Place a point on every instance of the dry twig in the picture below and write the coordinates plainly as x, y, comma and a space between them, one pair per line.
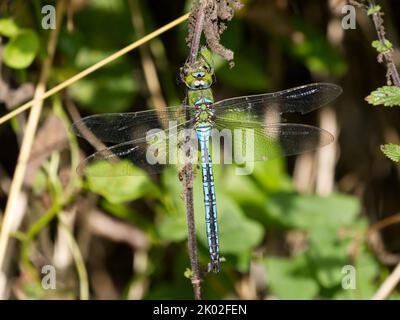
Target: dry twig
212, 16
392, 75
29, 136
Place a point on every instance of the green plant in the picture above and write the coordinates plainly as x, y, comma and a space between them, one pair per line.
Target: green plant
389, 95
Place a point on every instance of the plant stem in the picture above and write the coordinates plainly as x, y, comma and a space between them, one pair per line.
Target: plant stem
79, 262
44, 220
29, 135
388, 55
390, 283
194, 260
188, 170
194, 48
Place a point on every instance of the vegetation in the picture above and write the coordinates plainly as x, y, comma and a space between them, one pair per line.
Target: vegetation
290, 230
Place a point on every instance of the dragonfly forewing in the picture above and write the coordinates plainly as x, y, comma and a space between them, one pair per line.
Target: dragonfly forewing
303, 99
124, 127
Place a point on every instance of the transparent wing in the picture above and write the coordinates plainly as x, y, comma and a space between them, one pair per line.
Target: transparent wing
124, 127
143, 156
250, 142
264, 107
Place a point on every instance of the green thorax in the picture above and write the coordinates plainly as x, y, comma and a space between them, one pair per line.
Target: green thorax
203, 96
199, 79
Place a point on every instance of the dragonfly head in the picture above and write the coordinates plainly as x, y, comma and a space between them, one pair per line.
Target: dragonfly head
200, 75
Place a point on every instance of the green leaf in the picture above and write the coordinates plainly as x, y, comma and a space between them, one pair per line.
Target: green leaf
382, 47
328, 254
20, 51
290, 278
310, 212
248, 192
392, 151
237, 233
8, 27
389, 96
105, 93
243, 262
118, 189
120, 210
188, 273
172, 223
173, 227
366, 271
207, 54
373, 10
272, 175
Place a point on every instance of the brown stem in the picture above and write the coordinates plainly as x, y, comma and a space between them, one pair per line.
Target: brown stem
26, 146
194, 261
393, 74
194, 48
188, 170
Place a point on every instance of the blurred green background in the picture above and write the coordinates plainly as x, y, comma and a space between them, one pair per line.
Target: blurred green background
286, 231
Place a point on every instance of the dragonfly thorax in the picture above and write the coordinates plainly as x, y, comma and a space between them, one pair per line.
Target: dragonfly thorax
204, 112
202, 103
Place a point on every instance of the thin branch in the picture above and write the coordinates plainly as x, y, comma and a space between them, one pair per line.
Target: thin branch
188, 170
393, 77
93, 68
194, 260
388, 55
29, 136
198, 29
209, 17
117, 231
390, 283
86, 133
392, 74
79, 262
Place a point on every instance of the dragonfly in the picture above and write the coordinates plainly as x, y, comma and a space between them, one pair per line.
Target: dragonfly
133, 134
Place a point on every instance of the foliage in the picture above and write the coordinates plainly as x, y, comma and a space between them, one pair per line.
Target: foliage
22, 47
314, 51
374, 9
389, 96
259, 214
392, 151
382, 47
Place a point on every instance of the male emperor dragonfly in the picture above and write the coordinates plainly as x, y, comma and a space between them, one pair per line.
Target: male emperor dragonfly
132, 134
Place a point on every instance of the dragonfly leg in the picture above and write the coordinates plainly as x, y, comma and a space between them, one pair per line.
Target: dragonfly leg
214, 265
